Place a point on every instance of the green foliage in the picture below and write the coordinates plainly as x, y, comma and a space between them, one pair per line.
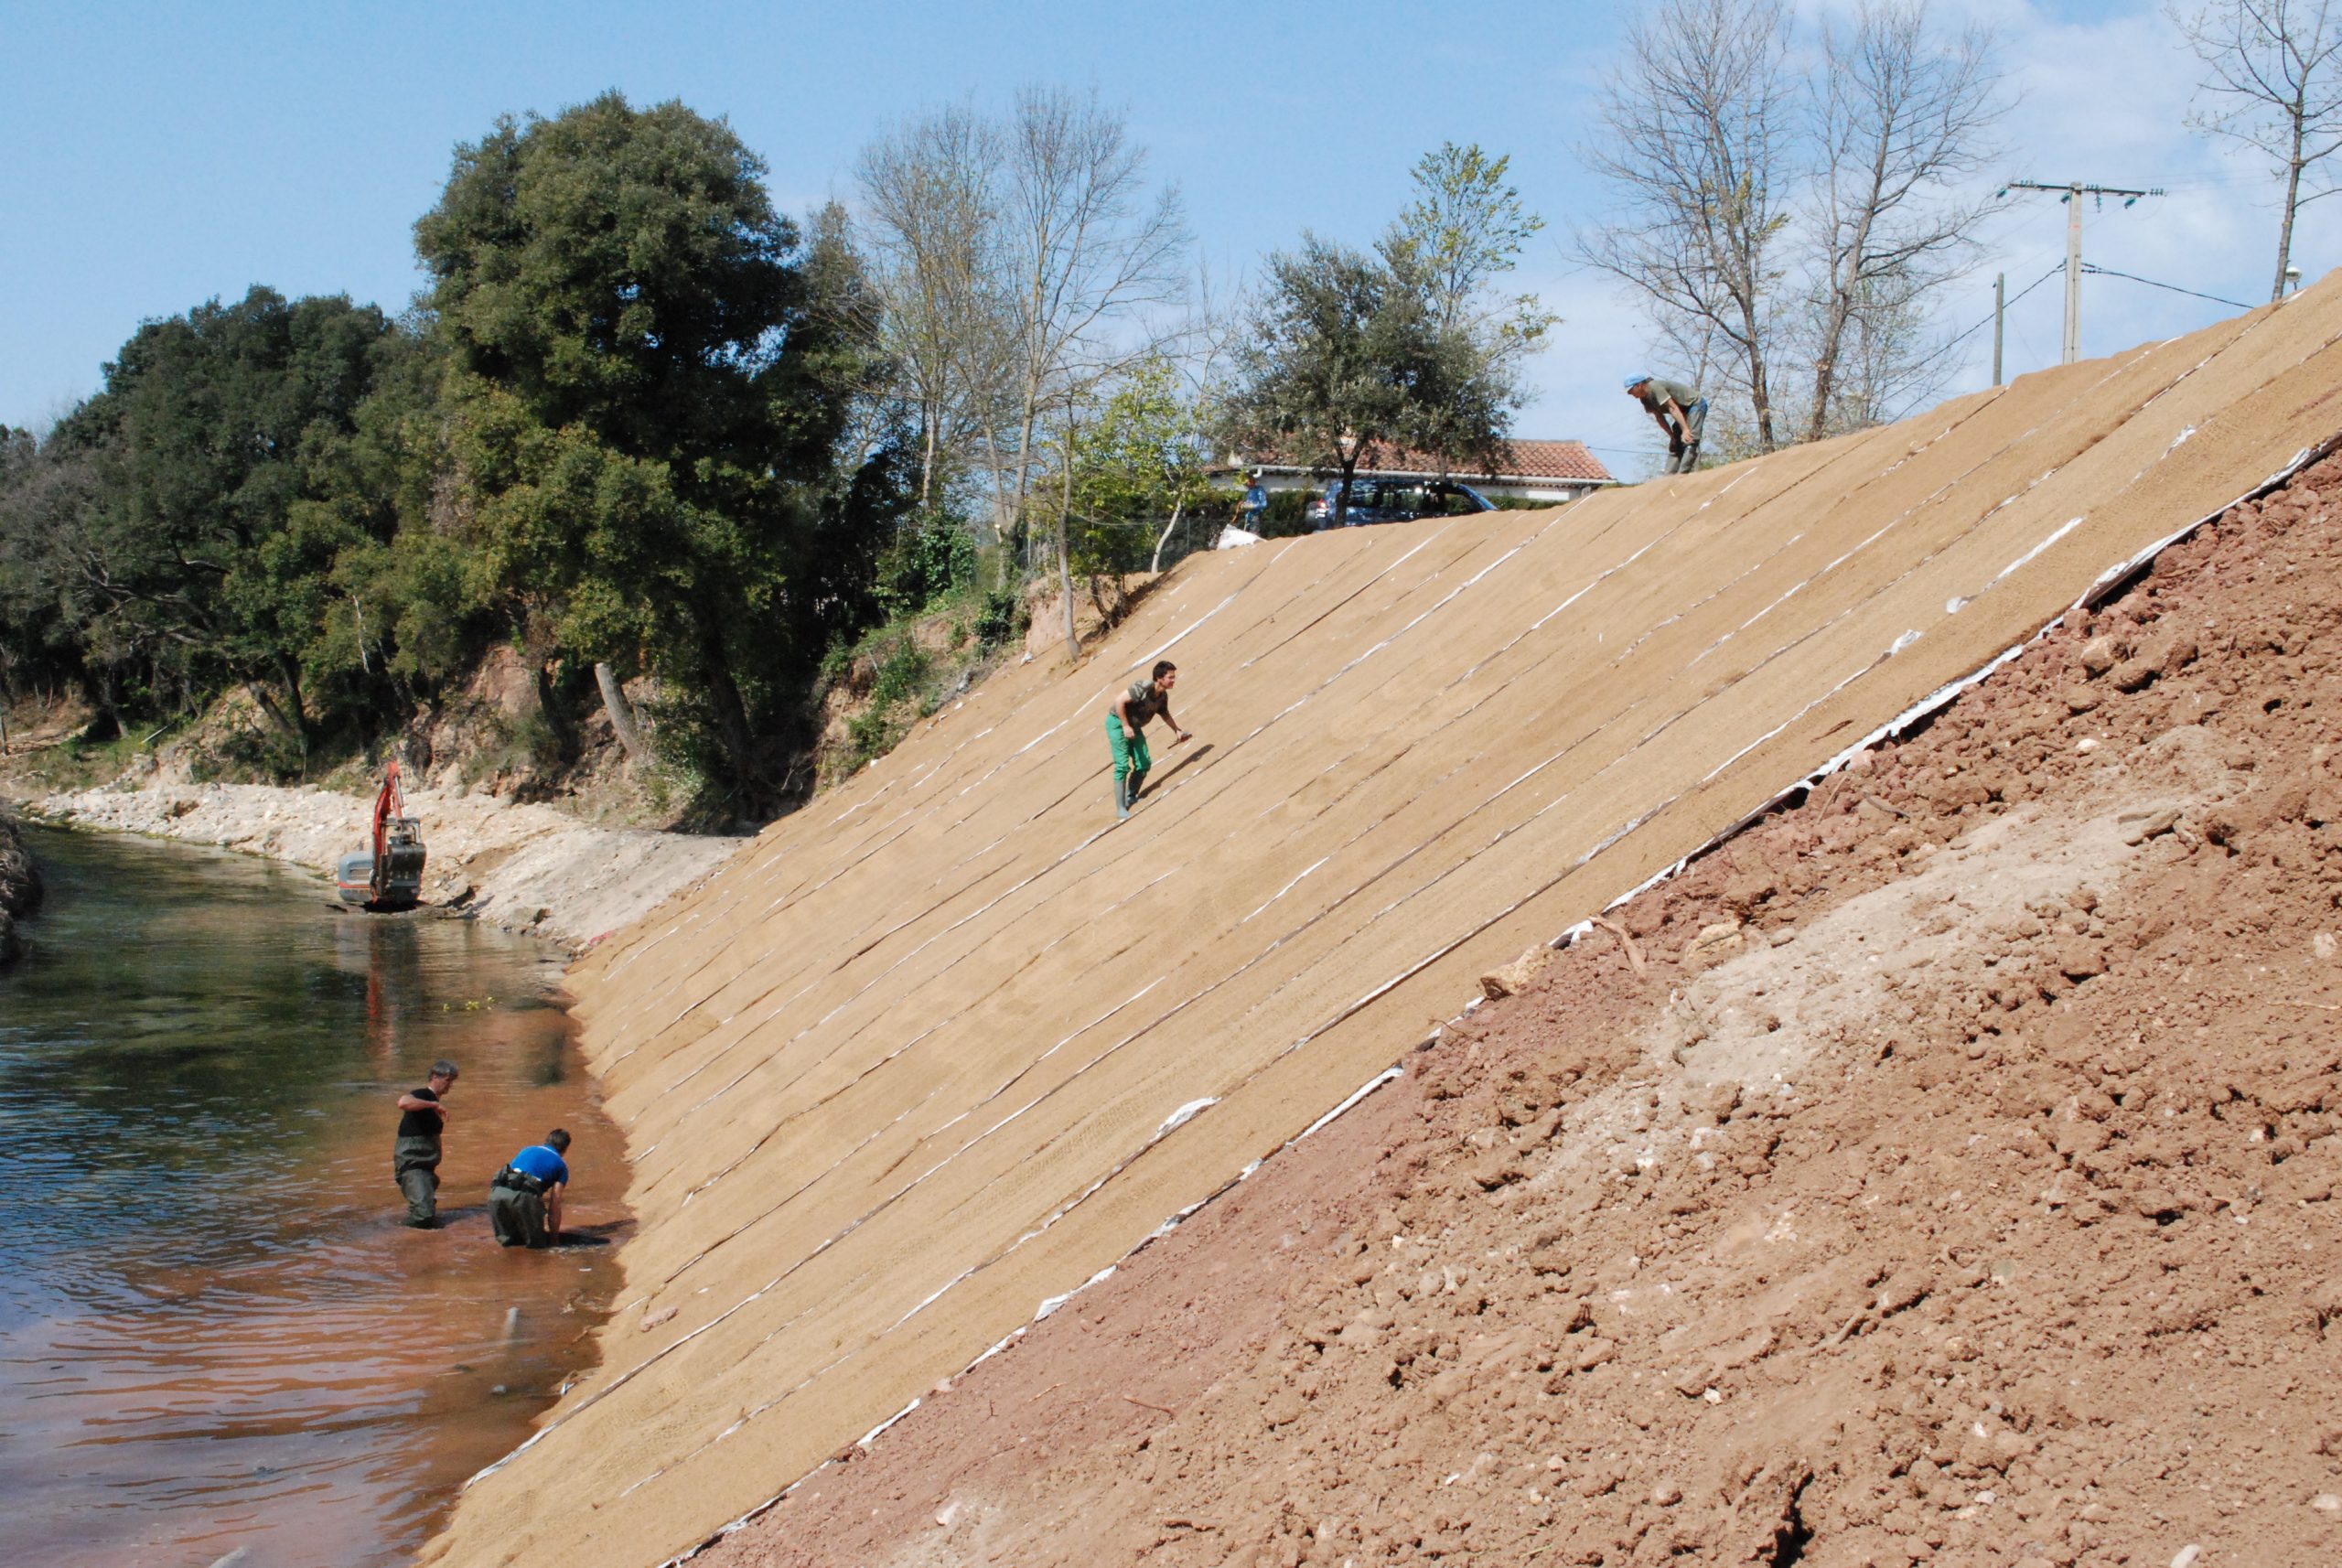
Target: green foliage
1342, 354
1140, 461
1411, 347
902, 667
651, 379
932, 557
201, 543
1466, 228
1003, 617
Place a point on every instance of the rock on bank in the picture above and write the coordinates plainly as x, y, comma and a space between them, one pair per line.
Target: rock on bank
524, 867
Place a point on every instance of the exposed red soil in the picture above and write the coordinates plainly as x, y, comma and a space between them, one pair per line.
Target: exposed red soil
1948, 1176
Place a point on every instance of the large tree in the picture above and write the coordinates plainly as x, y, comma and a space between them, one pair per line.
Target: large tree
652, 402
1451, 248
197, 551
1344, 354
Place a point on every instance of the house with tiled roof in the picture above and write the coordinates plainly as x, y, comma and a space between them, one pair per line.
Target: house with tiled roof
1545, 471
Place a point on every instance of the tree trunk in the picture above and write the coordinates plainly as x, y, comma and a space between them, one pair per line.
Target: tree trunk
621, 712
2292, 200
731, 716
1164, 538
1065, 551
564, 734
290, 674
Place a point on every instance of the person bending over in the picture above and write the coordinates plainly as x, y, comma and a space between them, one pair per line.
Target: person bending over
1126, 732
524, 1200
1680, 411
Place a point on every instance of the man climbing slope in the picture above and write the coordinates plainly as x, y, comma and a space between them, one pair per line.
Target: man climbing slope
1125, 722
414, 1157
1678, 410
524, 1200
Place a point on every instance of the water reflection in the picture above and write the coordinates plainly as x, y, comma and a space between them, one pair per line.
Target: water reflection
214, 1333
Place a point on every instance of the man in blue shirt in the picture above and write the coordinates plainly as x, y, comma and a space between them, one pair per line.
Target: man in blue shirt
524, 1201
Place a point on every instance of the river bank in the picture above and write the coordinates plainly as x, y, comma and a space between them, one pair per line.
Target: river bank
20, 884
522, 867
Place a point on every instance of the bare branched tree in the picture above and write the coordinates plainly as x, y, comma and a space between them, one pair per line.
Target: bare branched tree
1087, 247
2274, 82
1785, 229
1899, 122
930, 200
1700, 136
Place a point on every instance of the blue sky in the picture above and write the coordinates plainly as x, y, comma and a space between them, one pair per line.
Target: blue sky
157, 156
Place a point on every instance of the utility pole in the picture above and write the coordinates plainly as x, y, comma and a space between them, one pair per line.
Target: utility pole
2000, 308
2071, 194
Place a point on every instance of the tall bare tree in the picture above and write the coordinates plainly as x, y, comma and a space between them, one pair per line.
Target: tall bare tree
1698, 133
930, 209
2274, 82
1900, 120
1087, 247
1785, 228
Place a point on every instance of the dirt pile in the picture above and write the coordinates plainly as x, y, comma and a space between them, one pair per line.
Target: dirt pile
1944, 1171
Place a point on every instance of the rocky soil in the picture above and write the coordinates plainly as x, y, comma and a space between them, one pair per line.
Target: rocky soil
1944, 1171
526, 867
20, 886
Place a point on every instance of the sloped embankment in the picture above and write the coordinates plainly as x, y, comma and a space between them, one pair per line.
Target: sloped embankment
1947, 1175
920, 1060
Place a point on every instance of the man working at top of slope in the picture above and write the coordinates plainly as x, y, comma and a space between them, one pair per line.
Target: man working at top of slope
1678, 410
1126, 721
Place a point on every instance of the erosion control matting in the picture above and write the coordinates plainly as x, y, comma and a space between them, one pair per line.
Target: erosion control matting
949, 1041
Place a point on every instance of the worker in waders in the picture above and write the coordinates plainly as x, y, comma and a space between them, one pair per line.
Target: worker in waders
1125, 726
414, 1158
1680, 411
524, 1200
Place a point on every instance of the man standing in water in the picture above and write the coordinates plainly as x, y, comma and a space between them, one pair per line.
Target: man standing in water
1126, 720
524, 1201
414, 1158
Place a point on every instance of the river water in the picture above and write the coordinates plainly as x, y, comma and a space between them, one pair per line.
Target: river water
215, 1335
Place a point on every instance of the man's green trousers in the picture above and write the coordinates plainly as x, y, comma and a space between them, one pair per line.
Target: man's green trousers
1130, 762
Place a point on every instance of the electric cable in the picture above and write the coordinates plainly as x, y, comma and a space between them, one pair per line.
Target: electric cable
2110, 272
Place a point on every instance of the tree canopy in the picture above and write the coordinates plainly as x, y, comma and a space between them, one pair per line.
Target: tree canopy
648, 392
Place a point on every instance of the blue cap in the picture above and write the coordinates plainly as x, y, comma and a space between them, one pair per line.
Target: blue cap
1633, 382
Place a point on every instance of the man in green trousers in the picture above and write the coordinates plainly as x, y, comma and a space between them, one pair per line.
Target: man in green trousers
414, 1158
1125, 727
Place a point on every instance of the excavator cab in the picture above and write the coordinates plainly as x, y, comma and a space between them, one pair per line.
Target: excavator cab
387, 875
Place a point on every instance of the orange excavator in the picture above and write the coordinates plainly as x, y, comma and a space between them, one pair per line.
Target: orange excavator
387, 875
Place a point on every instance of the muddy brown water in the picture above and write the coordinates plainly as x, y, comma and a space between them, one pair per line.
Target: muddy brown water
215, 1335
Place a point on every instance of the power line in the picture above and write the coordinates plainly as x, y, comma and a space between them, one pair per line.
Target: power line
2110, 272
2020, 294
2071, 194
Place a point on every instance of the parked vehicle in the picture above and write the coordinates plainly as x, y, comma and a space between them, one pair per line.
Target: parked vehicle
1390, 500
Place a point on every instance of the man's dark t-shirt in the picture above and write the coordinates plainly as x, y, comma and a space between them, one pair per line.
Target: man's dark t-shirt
420, 1123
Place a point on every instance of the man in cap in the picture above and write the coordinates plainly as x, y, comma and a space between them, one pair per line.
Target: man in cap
1680, 411
524, 1200
414, 1157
